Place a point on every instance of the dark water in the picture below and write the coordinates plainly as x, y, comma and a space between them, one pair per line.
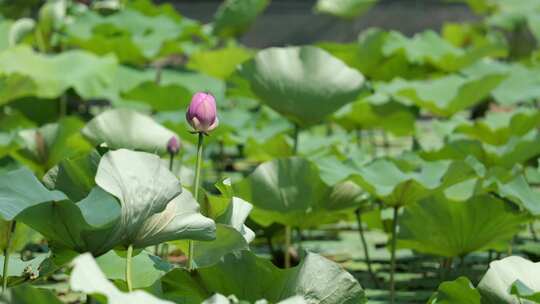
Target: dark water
293, 22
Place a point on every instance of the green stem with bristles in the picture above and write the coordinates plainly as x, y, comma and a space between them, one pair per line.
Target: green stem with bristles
196, 184
9, 239
128, 267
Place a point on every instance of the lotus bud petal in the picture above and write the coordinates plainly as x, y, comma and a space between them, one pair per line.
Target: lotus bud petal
173, 145
202, 113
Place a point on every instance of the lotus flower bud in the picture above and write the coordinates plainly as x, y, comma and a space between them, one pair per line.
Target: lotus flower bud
202, 113
173, 146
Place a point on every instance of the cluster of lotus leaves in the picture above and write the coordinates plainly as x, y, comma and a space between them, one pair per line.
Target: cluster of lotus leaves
123, 198
288, 189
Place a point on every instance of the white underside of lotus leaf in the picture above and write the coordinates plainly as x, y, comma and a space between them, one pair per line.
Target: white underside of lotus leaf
154, 208
496, 283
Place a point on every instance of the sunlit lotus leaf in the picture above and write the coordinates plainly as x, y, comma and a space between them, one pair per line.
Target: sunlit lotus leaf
74, 175
516, 150
124, 128
147, 268
234, 17
21, 190
458, 228
347, 9
28, 294
44, 147
49, 76
154, 207
86, 277
461, 290
402, 182
219, 63
172, 97
521, 85
519, 191
393, 117
445, 95
286, 190
251, 278
498, 127
134, 37
305, 84
84, 226
496, 284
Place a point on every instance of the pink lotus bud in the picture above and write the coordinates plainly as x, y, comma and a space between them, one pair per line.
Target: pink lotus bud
202, 113
173, 145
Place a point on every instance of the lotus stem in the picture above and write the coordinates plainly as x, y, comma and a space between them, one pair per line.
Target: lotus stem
533, 232
287, 254
128, 268
365, 246
393, 256
386, 143
295, 139
9, 240
359, 138
196, 183
287, 246
63, 105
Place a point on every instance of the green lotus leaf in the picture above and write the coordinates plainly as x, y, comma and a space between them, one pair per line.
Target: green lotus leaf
347, 9
519, 191
232, 299
235, 216
234, 17
219, 63
131, 35
458, 228
44, 147
384, 55
22, 236
48, 76
443, 96
289, 189
461, 290
128, 79
18, 30
154, 207
498, 127
305, 84
171, 97
86, 277
251, 278
496, 285
428, 48
147, 269
521, 85
403, 182
205, 254
85, 226
74, 175
28, 294
21, 190
393, 117
124, 128
522, 291
516, 151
